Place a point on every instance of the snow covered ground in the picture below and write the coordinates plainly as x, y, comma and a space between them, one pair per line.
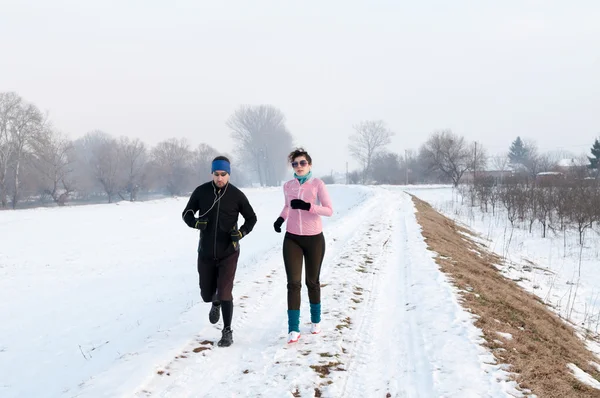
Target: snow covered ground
102, 300
555, 268
548, 267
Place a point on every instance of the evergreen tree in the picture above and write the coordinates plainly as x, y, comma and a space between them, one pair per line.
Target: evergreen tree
518, 152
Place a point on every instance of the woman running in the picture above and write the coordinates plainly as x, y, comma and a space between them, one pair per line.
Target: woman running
306, 200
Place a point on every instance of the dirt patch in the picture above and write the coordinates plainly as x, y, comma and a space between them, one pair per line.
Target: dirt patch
324, 370
205, 345
326, 355
541, 345
346, 322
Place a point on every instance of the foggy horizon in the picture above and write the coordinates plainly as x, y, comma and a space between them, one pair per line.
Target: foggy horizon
144, 70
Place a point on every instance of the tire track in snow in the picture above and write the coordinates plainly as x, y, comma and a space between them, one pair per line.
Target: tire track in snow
419, 368
421, 342
387, 356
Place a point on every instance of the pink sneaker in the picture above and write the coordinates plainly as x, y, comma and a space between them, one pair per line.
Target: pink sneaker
315, 328
293, 337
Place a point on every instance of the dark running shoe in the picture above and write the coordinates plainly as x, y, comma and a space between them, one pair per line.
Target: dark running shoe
215, 312
226, 338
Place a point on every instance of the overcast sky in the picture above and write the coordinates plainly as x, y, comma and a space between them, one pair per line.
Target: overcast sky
488, 70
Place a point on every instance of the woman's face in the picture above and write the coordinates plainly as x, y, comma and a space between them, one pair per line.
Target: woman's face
301, 166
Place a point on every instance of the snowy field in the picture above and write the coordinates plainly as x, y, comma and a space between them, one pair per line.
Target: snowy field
102, 301
557, 269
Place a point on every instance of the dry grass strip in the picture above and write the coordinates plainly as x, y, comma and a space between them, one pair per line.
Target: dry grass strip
542, 344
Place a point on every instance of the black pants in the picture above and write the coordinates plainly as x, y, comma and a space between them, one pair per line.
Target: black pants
311, 249
216, 276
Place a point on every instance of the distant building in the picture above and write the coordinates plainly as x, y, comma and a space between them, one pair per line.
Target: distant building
549, 176
573, 168
497, 175
571, 162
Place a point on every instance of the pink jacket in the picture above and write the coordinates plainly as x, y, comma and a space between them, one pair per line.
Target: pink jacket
302, 222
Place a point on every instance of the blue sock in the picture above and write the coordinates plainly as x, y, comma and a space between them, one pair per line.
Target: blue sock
294, 321
315, 313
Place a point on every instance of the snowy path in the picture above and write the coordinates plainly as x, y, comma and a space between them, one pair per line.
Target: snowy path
128, 322
381, 333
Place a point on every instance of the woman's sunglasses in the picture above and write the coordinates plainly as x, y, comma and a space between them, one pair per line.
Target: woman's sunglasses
302, 163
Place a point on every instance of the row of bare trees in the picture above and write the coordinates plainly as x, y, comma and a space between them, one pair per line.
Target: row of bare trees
555, 205
444, 157
122, 168
98, 166
448, 158
40, 164
36, 161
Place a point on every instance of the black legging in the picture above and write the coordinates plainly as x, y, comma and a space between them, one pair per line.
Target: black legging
312, 250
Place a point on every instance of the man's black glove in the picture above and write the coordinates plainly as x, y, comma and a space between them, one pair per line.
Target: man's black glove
277, 224
200, 223
236, 235
300, 204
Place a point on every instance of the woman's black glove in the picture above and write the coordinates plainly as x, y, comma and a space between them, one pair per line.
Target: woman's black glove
277, 224
300, 204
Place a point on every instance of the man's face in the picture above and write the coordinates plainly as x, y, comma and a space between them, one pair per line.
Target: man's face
220, 178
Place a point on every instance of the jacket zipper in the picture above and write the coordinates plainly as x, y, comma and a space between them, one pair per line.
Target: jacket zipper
300, 210
217, 226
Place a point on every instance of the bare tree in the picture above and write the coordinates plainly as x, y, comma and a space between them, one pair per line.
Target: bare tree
545, 162
134, 156
544, 211
581, 208
370, 137
484, 189
386, 168
354, 177
53, 158
19, 122
9, 107
171, 164
499, 162
27, 123
202, 158
531, 206
263, 140
555, 156
479, 158
561, 201
419, 169
579, 168
448, 153
533, 163
509, 196
100, 155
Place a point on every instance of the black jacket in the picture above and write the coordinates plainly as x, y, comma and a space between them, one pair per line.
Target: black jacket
221, 208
